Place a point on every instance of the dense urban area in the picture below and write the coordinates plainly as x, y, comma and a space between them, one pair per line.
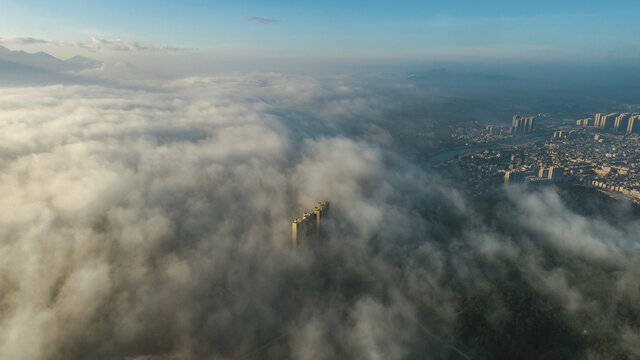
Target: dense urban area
600, 151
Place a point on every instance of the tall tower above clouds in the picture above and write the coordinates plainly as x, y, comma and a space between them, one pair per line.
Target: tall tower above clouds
309, 228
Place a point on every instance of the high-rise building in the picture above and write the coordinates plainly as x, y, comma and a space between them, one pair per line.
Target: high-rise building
621, 123
513, 177
551, 173
542, 173
607, 121
633, 124
307, 228
596, 121
294, 232
522, 124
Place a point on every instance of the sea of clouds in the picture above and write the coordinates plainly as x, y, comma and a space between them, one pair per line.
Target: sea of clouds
154, 223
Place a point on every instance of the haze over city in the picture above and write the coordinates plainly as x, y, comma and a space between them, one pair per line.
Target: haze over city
319, 180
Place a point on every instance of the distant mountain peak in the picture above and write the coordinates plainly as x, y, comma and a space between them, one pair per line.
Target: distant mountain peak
46, 61
83, 63
44, 54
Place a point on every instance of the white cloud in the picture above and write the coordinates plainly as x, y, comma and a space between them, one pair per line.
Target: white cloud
95, 44
154, 224
22, 40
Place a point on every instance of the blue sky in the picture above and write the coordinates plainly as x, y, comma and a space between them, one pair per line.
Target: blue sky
454, 29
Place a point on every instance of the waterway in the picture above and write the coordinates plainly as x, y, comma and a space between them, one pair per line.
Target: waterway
449, 154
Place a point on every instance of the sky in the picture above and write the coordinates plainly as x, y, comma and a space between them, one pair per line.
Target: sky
400, 30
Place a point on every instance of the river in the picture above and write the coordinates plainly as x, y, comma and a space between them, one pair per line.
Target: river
449, 154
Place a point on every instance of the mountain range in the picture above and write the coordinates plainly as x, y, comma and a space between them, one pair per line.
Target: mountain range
22, 68
44, 61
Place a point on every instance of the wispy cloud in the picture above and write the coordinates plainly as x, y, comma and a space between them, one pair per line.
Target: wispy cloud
94, 44
127, 45
22, 40
262, 20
